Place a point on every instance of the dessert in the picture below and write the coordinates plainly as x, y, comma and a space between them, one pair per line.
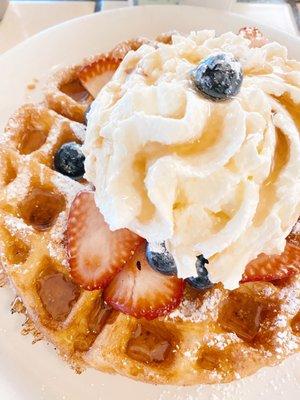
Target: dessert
175, 257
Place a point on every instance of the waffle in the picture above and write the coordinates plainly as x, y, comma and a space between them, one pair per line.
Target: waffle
214, 336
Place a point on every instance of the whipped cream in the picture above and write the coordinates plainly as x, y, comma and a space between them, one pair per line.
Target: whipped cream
220, 179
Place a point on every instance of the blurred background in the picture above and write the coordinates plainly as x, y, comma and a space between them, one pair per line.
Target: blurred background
19, 19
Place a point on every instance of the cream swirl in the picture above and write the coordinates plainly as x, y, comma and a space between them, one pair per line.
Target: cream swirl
218, 179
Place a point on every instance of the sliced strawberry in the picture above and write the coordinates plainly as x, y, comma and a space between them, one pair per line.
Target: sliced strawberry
96, 254
95, 75
255, 36
140, 291
271, 268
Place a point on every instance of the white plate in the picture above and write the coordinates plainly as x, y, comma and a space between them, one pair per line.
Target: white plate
35, 372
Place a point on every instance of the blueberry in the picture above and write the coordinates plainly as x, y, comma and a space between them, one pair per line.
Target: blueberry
218, 77
202, 281
69, 160
86, 113
160, 259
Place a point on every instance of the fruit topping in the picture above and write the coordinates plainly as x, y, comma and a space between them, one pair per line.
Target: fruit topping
95, 75
202, 281
96, 253
257, 39
218, 77
271, 268
140, 291
160, 259
69, 160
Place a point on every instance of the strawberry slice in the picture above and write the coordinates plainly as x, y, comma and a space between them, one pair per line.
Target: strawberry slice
255, 36
96, 254
140, 291
271, 268
95, 75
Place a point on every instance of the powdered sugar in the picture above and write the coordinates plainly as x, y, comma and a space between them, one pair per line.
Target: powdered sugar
198, 309
221, 341
79, 130
67, 186
20, 186
286, 343
17, 226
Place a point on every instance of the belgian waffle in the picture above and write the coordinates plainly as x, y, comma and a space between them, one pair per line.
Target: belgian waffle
214, 336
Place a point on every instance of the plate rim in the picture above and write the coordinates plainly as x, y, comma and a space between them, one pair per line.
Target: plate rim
131, 9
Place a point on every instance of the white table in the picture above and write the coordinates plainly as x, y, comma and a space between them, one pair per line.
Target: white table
25, 18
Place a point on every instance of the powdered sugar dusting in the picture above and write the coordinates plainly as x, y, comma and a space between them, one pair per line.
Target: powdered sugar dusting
221, 341
79, 130
58, 253
199, 309
17, 226
58, 230
291, 298
20, 186
285, 343
67, 186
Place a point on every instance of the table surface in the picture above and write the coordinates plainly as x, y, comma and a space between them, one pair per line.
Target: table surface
24, 18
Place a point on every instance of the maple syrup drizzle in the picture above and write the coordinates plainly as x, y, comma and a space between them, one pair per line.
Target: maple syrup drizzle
295, 324
8, 170
147, 346
41, 208
57, 293
76, 91
242, 315
28, 327
17, 306
31, 140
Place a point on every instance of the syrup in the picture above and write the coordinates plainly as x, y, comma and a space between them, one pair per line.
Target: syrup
96, 321
242, 315
8, 170
98, 317
31, 140
210, 358
296, 324
76, 91
41, 208
15, 249
17, 306
57, 293
147, 346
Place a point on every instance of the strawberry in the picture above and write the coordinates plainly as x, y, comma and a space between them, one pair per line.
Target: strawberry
96, 74
96, 254
257, 39
140, 291
271, 268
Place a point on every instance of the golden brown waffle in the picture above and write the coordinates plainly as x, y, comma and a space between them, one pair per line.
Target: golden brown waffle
214, 336
37, 132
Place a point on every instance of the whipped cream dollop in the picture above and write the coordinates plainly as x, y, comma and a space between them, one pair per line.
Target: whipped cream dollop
220, 179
